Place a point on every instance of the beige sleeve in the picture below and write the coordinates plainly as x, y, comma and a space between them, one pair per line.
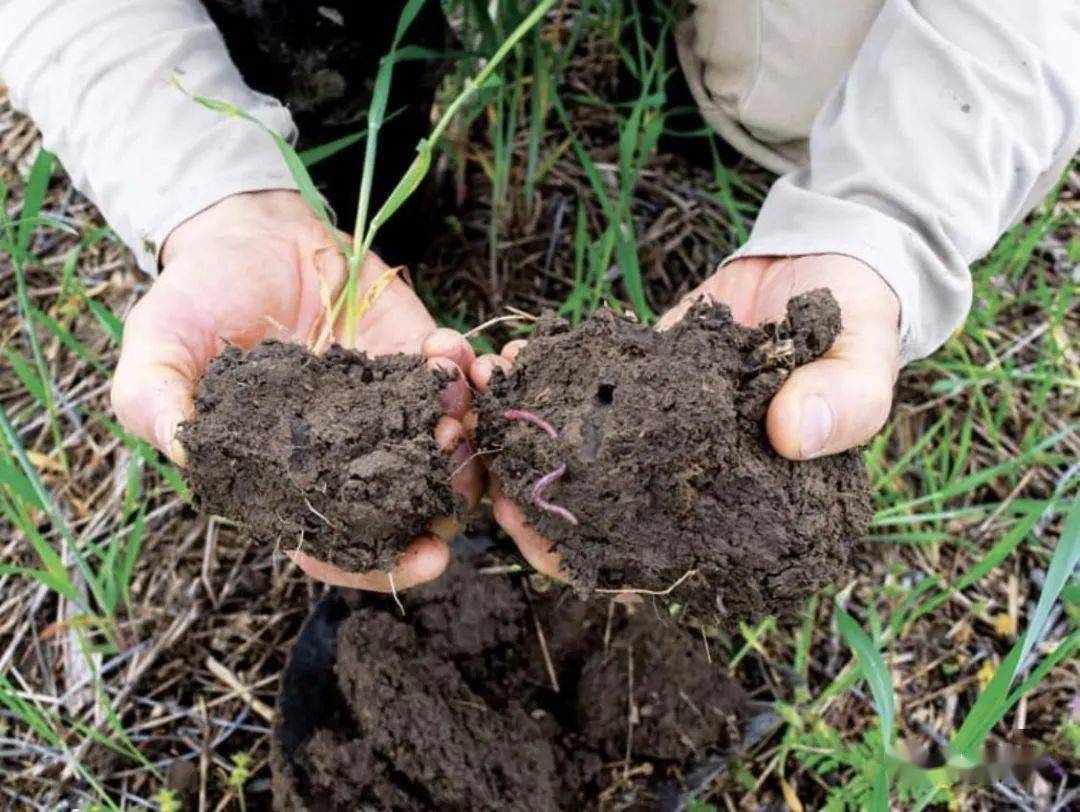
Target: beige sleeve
94, 76
948, 123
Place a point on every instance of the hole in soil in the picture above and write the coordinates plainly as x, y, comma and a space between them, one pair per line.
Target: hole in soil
605, 393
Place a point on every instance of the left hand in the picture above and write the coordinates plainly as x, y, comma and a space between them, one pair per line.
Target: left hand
827, 406
260, 265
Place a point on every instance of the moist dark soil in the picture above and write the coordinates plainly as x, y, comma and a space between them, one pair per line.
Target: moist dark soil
669, 473
453, 705
334, 454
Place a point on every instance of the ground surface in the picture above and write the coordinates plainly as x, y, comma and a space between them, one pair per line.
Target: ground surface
971, 478
468, 707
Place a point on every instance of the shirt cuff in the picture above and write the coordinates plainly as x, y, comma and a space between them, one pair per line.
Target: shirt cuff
934, 292
231, 156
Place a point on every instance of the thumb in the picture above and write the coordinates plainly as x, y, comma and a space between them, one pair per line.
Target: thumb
834, 403
165, 349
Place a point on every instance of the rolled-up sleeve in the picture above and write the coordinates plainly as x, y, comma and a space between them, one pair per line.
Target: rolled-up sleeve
953, 121
95, 77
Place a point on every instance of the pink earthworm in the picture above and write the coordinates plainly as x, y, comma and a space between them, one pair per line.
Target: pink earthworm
536, 420
540, 502
547, 479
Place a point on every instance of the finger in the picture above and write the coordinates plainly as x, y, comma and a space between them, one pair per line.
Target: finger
512, 349
536, 549
484, 367
835, 403
151, 400
395, 320
735, 285
466, 478
456, 397
447, 343
154, 386
445, 527
424, 560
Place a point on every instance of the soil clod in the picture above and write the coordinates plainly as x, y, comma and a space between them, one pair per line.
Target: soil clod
334, 454
659, 466
453, 707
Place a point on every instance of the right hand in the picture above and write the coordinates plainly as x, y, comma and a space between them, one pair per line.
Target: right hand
256, 266
852, 383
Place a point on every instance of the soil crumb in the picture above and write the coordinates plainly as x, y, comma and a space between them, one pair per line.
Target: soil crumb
454, 706
334, 454
668, 472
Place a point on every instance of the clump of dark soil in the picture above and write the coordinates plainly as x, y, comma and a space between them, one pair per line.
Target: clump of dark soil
669, 479
453, 706
334, 454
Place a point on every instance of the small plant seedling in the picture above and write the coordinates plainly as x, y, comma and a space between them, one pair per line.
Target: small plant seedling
166, 800
365, 229
239, 775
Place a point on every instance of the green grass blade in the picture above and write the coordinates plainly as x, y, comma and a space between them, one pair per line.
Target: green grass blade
27, 376
874, 669
380, 97
12, 440
879, 799
625, 250
64, 336
978, 478
36, 719
113, 326
994, 556
315, 155
413, 176
37, 184
992, 703
59, 585
303, 179
404, 189
20, 487
1062, 565
21, 520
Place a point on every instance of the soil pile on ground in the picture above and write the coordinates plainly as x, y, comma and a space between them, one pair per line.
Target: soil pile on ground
332, 453
453, 706
659, 473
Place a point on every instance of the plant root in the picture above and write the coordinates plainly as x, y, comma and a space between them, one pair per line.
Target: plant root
658, 592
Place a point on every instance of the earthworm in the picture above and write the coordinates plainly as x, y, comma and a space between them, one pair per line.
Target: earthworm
546, 479
540, 502
536, 420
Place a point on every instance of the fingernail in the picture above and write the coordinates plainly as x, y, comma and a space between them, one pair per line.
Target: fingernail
164, 430
165, 433
816, 426
177, 453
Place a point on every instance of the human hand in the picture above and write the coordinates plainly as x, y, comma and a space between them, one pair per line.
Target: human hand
843, 398
834, 403
260, 265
